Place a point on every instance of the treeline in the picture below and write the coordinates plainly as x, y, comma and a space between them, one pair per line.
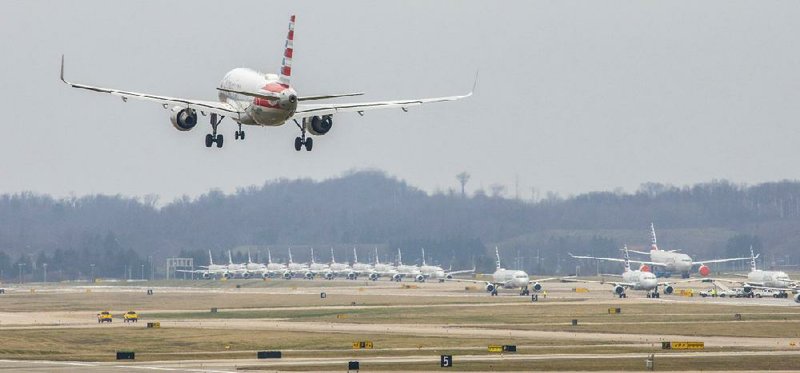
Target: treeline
370, 209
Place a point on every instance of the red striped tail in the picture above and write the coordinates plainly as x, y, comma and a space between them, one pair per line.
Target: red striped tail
286, 66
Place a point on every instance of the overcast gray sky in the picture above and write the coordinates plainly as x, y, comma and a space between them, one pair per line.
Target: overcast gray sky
574, 96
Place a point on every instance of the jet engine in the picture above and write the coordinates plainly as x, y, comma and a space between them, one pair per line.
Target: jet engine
449, 276
797, 298
352, 276
419, 278
320, 125
704, 270
247, 275
536, 286
329, 275
265, 275
374, 276
207, 276
183, 119
668, 289
397, 277
644, 268
747, 290
490, 287
227, 275
287, 275
308, 275
619, 289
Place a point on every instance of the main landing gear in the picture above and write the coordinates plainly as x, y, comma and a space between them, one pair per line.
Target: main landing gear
525, 291
301, 140
239, 135
653, 294
212, 138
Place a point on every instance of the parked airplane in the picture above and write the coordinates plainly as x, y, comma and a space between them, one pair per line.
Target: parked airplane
299, 268
342, 269
251, 269
385, 269
320, 269
211, 270
234, 268
362, 269
777, 281
254, 98
437, 272
632, 279
509, 279
407, 270
666, 262
277, 269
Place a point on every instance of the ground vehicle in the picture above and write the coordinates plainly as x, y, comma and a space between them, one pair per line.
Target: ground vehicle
130, 316
104, 316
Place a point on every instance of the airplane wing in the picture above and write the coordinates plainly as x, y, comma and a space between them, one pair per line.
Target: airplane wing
724, 260
461, 271
221, 108
613, 283
310, 110
638, 252
617, 260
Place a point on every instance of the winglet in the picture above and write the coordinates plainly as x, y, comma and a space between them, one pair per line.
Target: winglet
62, 70
475, 83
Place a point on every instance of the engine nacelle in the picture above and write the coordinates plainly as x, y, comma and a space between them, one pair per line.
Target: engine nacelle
320, 125
747, 289
536, 286
352, 275
490, 288
419, 278
308, 275
329, 275
207, 275
183, 119
704, 270
397, 277
668, 289
374, 276
247, 275
619, 290
227, 275
644, 268
797, 298
287, 275
448, 276
266, 275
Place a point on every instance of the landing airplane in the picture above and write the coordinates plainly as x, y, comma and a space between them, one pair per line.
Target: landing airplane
631, 279
665, 262
254, 98
509, 279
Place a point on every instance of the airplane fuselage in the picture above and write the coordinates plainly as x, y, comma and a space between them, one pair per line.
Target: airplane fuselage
260, 111
775, 279
641, 280
672, 261
511, 279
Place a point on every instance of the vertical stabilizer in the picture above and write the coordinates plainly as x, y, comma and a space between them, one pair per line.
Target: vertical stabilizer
497, 253
286, 65
653, 242
377, 260
752, 260
269, 256
210, 259
312, 256
230, 257
423, 257
290, 256
627, 258
399, 258
249, 260
333, 258
355, 256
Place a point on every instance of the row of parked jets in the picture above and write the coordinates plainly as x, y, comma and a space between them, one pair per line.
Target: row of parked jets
329, 271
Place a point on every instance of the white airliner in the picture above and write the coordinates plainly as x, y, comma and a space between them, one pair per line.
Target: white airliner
777, 281
320, 269
299, 268
341, 269
385, 269
277, 269
509, 279
362, 269
666, 262
437, 272
407, 270
211, 270
632, 279
254, 98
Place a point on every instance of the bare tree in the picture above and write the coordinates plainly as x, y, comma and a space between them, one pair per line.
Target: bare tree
463, 178
498, 190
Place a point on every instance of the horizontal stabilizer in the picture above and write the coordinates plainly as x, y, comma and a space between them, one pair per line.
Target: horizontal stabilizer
323, 97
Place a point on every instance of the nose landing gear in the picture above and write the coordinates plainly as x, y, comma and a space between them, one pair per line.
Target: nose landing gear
239, 135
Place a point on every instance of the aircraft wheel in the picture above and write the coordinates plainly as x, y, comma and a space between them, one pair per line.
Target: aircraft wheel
309, 144
219, 140
209, 140
241, 134
298, 143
